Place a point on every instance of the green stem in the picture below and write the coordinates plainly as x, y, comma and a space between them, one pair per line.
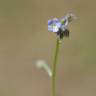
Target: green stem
54, 68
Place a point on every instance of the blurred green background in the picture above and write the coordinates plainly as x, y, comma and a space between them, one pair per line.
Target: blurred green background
24, 39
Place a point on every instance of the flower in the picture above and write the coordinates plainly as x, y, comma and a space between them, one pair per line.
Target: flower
54, 25
59, 26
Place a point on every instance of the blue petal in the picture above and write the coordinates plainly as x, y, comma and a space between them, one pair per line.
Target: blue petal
55, 20
50, 28
53, 28
50, 22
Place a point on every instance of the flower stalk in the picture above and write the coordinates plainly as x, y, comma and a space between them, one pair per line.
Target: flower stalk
54, 67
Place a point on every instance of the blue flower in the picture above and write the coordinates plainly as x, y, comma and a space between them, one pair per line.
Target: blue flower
59, 26
54, 25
